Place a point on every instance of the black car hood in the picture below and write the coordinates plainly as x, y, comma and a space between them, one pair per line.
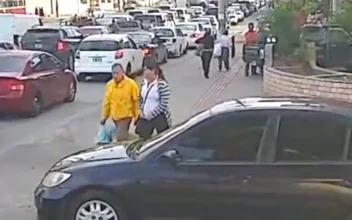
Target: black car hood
106, 152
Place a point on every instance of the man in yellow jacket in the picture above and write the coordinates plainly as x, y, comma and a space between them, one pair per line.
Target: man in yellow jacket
120, 102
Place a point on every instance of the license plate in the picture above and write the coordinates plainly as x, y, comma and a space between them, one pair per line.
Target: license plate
38, 46
97, 59
254, 63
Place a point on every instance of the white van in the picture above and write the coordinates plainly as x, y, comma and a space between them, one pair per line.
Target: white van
14, 26
164, 19
182, 14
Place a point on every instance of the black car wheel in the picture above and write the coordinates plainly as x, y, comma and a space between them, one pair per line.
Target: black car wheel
95, 205
36, 106
128, 69
185, 51
165, 57
81, 78
71, 93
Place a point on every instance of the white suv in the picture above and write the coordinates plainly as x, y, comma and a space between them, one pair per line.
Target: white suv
97, 53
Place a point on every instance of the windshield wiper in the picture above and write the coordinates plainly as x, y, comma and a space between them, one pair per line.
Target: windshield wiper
133, 148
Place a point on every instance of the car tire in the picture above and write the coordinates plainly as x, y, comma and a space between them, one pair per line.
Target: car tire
36, 106
165, 57
105, 199
72, 91
81, 78
128, 69
185, 51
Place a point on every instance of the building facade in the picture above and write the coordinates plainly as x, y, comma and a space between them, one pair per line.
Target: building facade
13, 6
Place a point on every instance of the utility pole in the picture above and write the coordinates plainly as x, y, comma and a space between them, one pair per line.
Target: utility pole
221, 15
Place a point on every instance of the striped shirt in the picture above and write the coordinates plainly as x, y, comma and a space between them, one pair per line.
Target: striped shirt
164, 97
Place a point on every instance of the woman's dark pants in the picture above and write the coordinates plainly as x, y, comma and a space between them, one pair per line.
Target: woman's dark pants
159, 123
206, 59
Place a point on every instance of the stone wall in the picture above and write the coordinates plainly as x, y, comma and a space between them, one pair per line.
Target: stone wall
279, 83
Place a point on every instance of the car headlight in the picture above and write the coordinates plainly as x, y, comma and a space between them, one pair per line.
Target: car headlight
53, 179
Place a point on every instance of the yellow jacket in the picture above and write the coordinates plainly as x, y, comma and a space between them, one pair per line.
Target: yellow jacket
121, 100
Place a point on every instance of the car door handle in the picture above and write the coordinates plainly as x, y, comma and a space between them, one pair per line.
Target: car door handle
246, 179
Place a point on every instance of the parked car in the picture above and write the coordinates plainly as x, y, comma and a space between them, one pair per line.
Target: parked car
214, 22
333, 45
97, 53
61, 42
241, 158
193, 30
91, 30
153, 47
33, 80
205, 22
233, 19
176, 41
147, 20
8, 46
212, 11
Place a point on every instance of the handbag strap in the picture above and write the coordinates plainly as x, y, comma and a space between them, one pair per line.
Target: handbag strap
146, 96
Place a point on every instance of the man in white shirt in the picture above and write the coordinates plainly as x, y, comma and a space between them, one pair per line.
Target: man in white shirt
226, 45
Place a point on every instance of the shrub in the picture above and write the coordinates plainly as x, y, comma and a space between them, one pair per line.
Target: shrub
343, 17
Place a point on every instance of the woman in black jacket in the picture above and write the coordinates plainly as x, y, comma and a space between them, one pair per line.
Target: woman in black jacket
207, 52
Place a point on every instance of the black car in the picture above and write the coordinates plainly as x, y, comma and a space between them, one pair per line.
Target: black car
333, 44
153, 47
255, 158
61, 42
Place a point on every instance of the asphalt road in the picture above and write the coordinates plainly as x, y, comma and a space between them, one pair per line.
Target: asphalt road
28, 147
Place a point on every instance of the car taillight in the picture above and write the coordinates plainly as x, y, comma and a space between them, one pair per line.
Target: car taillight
61, 46
12, 87
173, 40
119, 54
78, 55
195, 35
147, 51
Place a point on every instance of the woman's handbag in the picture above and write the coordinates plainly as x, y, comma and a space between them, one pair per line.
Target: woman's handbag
143, 124
199, 49
217, 50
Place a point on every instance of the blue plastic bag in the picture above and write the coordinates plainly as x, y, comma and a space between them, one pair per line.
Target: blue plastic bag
105, 134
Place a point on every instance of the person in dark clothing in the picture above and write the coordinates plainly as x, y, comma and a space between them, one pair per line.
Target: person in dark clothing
36, 12
207, 52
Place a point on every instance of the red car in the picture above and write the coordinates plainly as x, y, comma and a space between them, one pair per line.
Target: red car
32, 80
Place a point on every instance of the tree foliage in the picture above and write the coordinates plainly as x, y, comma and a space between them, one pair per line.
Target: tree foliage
343, 17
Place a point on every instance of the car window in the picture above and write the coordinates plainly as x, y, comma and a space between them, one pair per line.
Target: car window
12, 64
187, 27
48, 63
145, 18
163, 32
132, 43
200, 27
37, 64
310, 137
339, 36
141, 38
10, 46
104, 45
179, 32
91, 31
3, 45
126, 44
226, 137
41, 33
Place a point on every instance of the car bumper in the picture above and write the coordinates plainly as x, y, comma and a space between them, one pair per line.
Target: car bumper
191, 43
173, 49
79, 69
50, 203
15, 105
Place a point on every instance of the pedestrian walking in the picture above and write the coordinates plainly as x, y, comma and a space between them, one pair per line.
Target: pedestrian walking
153, 103
120, 102
225, 42
207, 42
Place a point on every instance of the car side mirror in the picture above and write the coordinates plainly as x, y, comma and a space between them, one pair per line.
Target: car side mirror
170, 157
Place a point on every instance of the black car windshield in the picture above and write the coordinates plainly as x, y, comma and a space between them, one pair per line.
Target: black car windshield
11, 64
163, 32
148, 146
104, 45
41, 33
187, 27
135, 13
145, 18
141, 39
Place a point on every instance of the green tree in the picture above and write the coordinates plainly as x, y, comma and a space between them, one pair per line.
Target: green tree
344, 16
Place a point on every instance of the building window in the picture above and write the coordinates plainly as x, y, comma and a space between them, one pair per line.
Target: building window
15, 3
84, 1
10, 3
94, 3
102, 1
21, 3
109, 1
